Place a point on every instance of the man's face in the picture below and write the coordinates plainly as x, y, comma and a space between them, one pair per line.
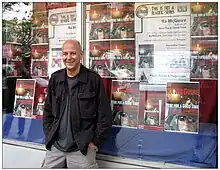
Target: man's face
71, 55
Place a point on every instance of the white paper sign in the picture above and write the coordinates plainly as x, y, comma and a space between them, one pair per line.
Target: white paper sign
163, 42
62, 26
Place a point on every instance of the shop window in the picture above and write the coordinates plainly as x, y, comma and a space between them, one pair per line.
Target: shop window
158, 62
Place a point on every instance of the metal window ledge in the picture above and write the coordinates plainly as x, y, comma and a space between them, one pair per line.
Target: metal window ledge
104, 158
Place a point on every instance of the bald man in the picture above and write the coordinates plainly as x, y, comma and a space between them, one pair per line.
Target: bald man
77, 117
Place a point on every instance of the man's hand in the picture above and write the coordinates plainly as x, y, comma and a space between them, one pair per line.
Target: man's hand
91, 145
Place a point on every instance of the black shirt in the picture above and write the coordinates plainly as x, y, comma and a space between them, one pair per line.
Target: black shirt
65, 139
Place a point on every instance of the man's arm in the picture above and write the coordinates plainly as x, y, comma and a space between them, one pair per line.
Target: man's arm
104, 121
47, 115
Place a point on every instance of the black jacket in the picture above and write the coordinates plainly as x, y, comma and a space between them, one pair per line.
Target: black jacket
92, 120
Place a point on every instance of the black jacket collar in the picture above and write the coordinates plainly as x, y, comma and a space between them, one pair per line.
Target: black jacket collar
82, 76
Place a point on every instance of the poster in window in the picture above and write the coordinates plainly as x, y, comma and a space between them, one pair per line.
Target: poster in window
163, 42
39, 101
24, 97
39, 69
123, 68
23, 108
102, 67
99, 58
40, 28
122, 59
55, 61
182, 107
100, 13
152, 109
12, 52
39, 61
204, 19
125, 103
204, 58
204, 38
14, 69
122, 30
99, 31
14, 32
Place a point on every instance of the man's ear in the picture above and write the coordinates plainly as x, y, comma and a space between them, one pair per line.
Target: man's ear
81, 55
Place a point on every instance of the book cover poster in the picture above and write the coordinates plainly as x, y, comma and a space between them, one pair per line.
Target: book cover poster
24, 97
152, 109
39, 101
204, 59
14, 69
23, 107
182, 107
123, 68
102, 67
204, 26
125, 102
13, 32
39, 68
204, 19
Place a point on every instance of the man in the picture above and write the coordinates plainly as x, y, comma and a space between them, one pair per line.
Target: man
77, 116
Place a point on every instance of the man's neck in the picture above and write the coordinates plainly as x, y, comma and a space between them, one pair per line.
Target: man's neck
73, 73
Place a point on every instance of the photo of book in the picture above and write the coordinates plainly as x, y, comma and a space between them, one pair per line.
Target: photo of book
146, 56
182, 107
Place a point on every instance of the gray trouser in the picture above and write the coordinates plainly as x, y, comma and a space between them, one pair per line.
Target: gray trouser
75, 160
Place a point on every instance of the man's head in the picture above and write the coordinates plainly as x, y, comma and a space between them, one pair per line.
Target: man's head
71, 54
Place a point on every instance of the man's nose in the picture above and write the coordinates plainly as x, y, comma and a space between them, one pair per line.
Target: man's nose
69, 55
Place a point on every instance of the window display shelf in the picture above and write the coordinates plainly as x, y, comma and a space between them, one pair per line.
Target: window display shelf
39, 59
39, 76
39, 44
14, 43
204, 15
41, 27
210, 36
122, 39
15, 59
113, 58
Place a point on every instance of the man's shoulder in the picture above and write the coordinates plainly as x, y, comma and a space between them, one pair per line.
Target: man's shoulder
57, 73
91, 72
